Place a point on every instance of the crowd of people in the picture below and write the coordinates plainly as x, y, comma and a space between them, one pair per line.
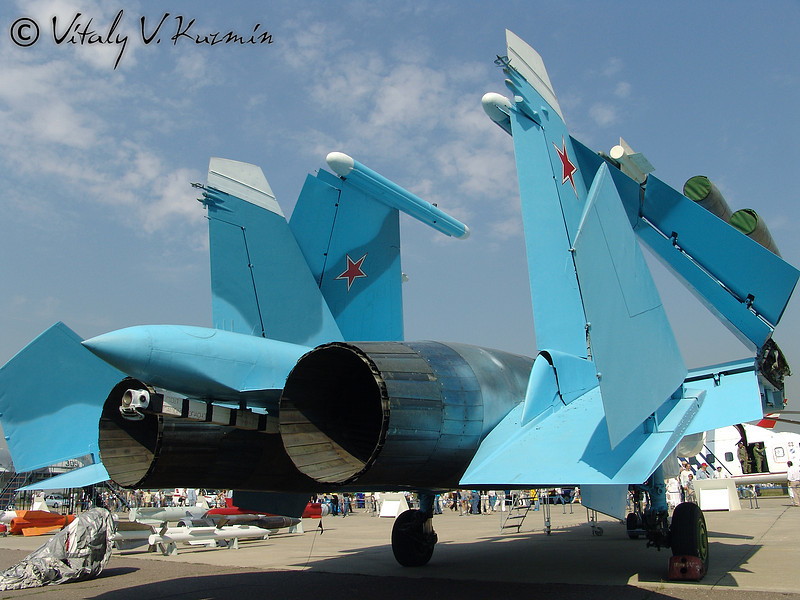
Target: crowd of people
681, 488
127, 499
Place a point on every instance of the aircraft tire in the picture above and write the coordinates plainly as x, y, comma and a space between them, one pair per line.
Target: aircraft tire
688, 533
411, 544
633, 522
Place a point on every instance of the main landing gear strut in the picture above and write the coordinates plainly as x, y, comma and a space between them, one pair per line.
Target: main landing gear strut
687, 535
413, 537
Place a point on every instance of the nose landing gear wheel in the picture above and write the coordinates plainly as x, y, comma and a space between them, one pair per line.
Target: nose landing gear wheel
413, 538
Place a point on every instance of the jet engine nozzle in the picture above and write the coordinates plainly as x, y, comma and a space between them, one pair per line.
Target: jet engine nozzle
387, 412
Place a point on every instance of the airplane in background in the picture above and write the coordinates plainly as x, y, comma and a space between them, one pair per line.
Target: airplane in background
720, 448
305, 382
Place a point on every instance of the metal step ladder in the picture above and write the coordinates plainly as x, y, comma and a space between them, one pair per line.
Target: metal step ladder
17, 481
521, 503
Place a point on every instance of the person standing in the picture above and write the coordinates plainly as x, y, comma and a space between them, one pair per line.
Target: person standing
744, 459
760, 457
690, 494
793, 475
335, 505
683, 480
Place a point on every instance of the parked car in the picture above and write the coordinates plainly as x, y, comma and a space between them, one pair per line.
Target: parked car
55, 500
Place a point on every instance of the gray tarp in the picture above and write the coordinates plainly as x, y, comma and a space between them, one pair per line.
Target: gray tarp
77, 552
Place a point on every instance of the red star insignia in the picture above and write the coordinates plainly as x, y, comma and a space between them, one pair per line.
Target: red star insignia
353, 271
568, 169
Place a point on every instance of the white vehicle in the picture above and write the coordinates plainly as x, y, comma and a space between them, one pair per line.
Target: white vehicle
55, 500
720, 449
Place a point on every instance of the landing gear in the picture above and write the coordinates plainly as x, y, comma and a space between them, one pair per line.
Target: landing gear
413, 538
650, 516
688, 533
634, 524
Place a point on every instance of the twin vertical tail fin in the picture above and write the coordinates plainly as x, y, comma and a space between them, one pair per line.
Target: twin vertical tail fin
348, 227
260, 282
593, 296
609, 395
332, 273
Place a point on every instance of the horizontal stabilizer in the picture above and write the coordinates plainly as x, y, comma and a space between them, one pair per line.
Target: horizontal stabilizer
77, 478
733, 395
572, 446
51, 396
628, 329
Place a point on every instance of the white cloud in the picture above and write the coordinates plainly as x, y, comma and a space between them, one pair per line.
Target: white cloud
172, 200
623, 89
603, 114
427, 118
612, 66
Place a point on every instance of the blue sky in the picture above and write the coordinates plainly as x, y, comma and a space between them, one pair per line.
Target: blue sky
100, 228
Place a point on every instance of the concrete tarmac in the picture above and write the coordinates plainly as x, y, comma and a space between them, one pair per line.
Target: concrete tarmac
754, 554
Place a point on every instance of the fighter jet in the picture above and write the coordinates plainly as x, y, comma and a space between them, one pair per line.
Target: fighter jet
305, 383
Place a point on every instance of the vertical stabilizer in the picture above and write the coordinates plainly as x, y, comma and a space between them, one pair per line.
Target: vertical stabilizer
593, 295
349, 231
352, 245
260, 282
530, 65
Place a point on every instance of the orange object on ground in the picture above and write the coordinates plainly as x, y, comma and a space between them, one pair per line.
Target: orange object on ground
38, 521
688, 568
